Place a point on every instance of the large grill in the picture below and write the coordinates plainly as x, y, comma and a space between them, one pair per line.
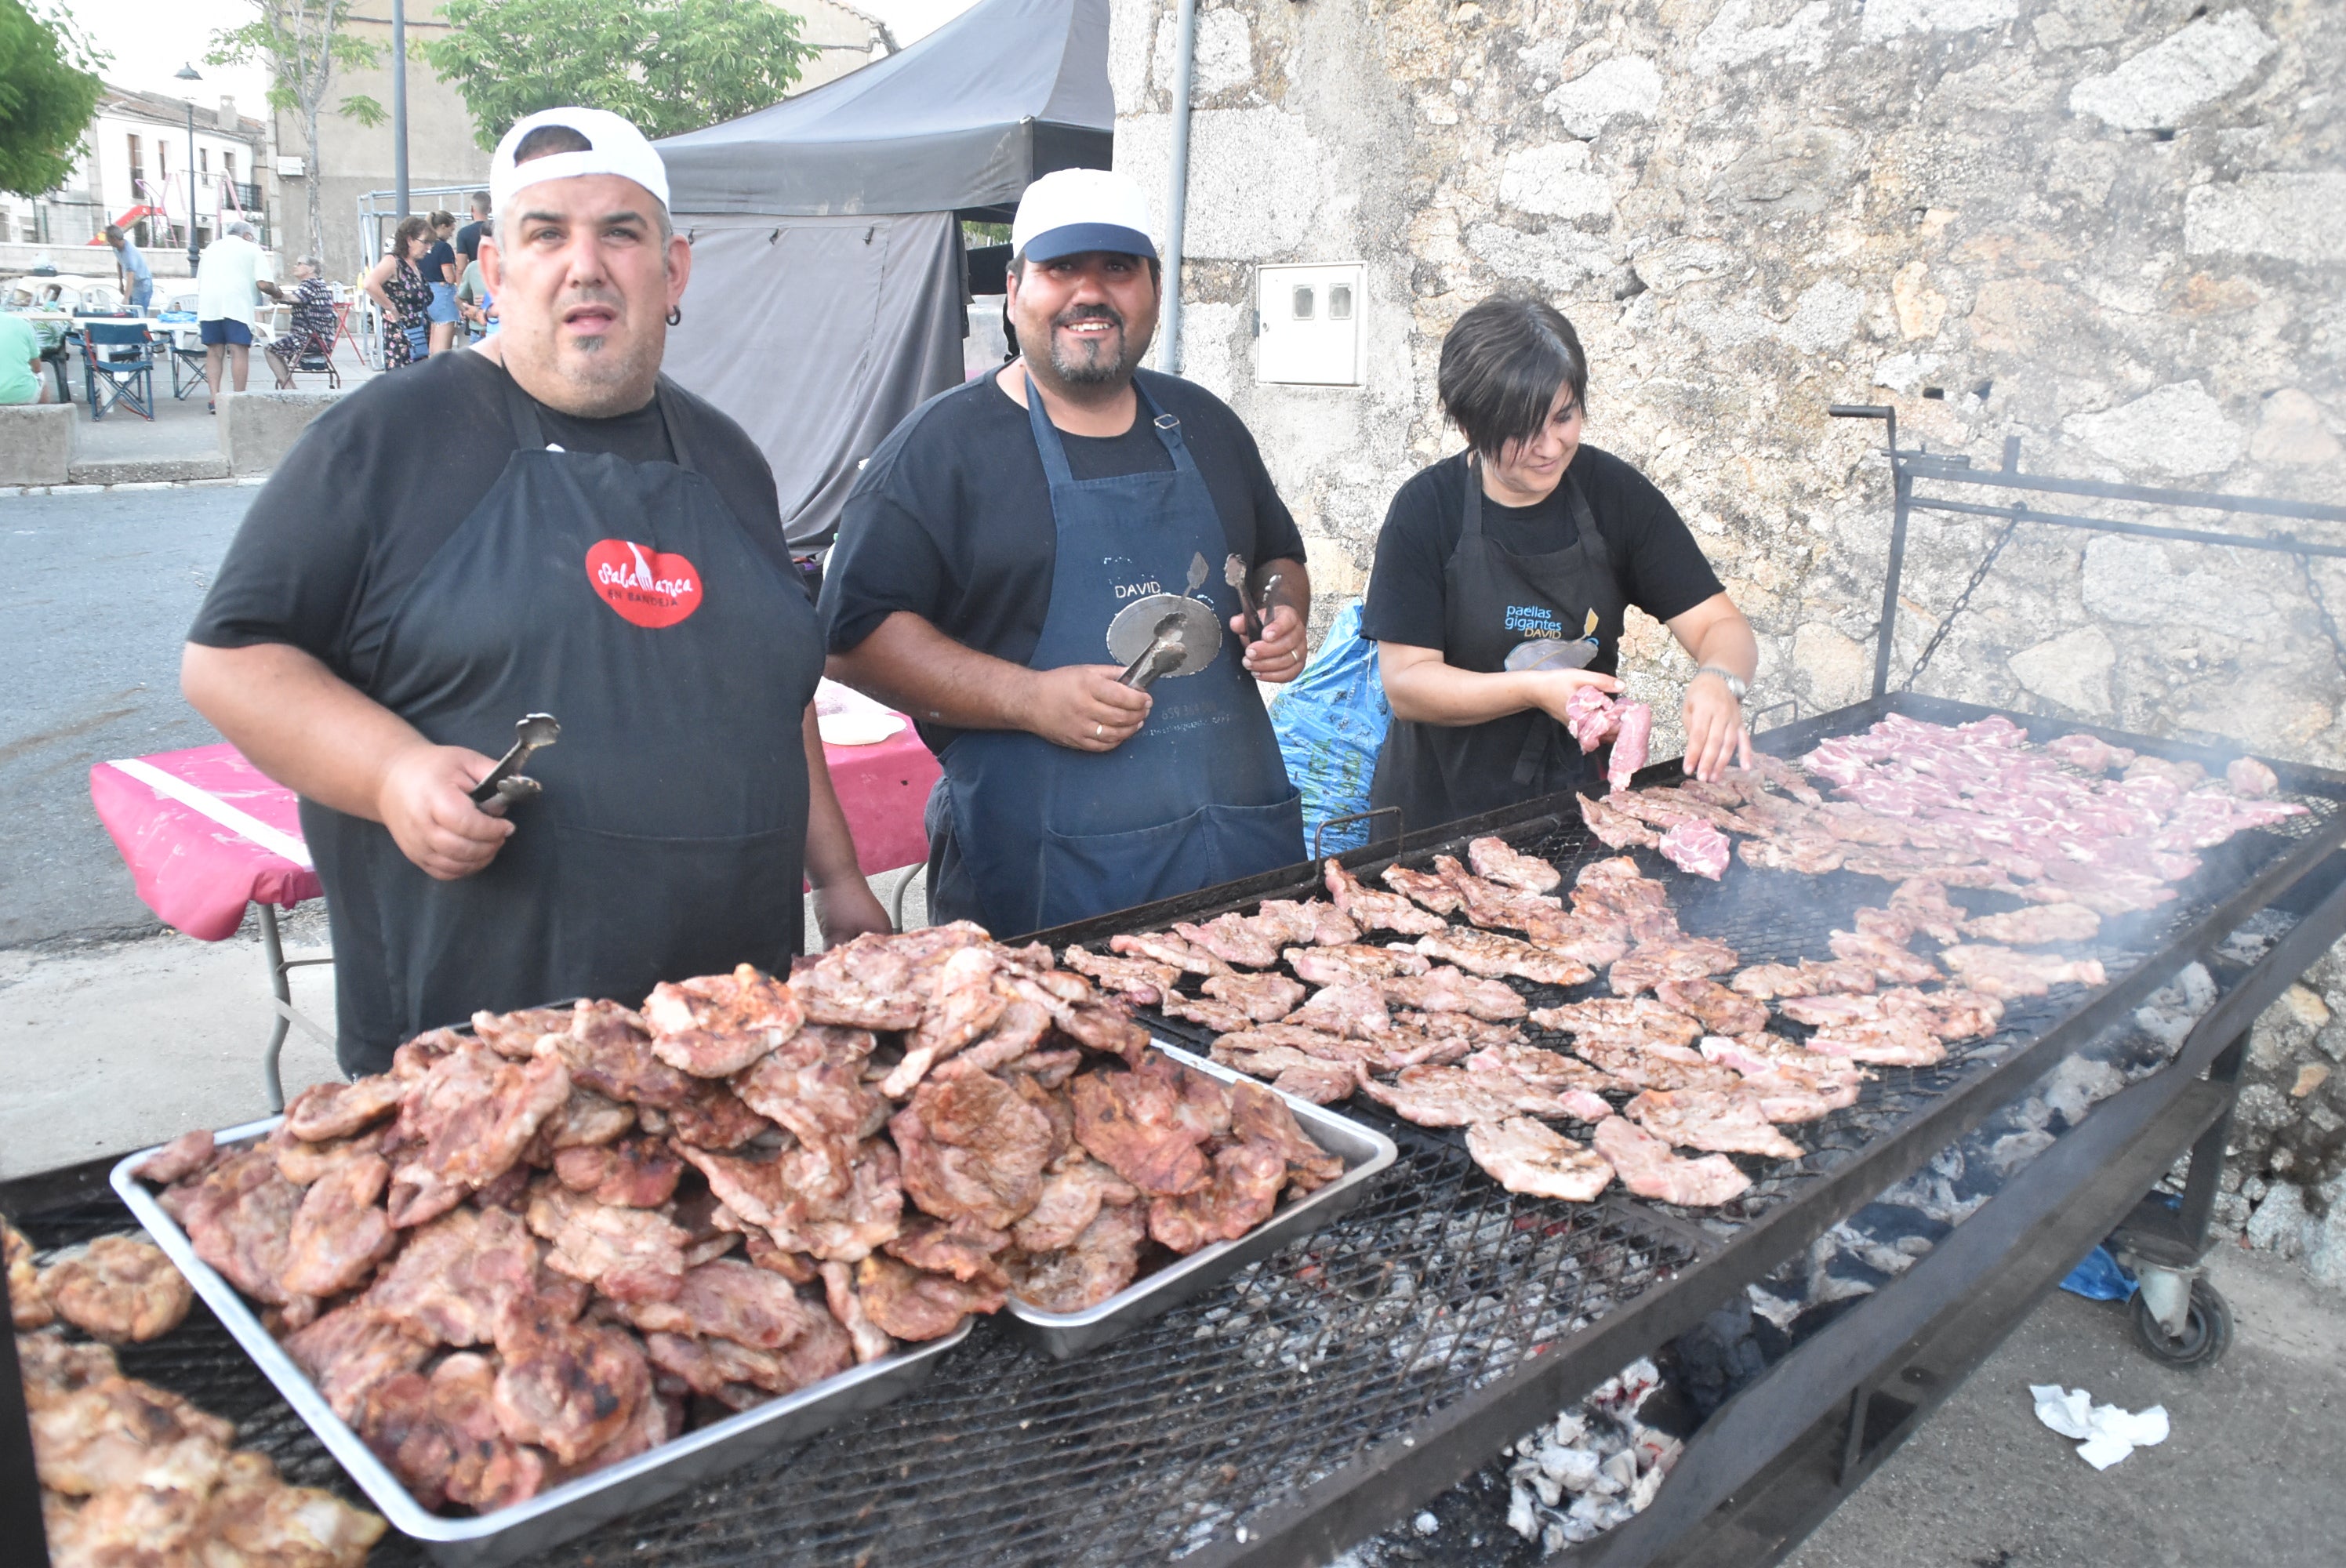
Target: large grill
1322, 1392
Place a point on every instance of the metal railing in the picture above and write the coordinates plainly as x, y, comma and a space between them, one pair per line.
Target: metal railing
1909, 466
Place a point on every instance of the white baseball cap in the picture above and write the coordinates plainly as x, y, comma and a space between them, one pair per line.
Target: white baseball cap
1071, 211
615, 147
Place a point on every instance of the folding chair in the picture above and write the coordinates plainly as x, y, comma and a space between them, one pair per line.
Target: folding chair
118, 367
317, 358
190, 368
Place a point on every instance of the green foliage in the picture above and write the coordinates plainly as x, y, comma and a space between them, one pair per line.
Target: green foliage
668, 66
48, 88
302, 44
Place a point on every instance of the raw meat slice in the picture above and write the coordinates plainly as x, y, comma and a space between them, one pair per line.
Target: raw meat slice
1592, 717
118, 1288
1447, 989
1493, 859
1163, 947
2089, 752
1527, 1156
2000, 972
1925, 906
2034, 924
2250, 778
1723, 1121
1636, 1015
1647, 1168
1421, 888
1355, 1009
1335, 964
1698, 848
1616, 829
1372, 908
1222, 1017
1718, 1009
1492, 954
1266, 998
1892, 965
714, 1025
1678, 958
1459, 1096
1637, 729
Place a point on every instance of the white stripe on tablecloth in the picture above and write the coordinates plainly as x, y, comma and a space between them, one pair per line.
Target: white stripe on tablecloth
274, 840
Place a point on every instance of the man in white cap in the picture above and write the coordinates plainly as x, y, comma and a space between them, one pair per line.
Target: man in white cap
543, 525
1023, 553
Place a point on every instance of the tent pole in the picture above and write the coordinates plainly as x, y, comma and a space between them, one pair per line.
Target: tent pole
1169, 352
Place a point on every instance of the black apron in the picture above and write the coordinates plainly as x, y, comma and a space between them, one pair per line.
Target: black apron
1200, 796
1492, 600
625, 599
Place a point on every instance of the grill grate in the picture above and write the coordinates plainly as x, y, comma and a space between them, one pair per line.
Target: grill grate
1217, 1414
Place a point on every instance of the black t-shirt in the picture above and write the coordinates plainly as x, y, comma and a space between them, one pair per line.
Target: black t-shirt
1661, 569
950, 518
440, 255
468, 246
379, 482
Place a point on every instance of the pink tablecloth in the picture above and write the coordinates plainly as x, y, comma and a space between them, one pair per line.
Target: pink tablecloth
205, 833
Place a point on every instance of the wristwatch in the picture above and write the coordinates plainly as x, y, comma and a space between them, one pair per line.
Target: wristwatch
1737, 687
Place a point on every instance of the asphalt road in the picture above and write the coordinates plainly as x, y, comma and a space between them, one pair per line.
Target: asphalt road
96, 592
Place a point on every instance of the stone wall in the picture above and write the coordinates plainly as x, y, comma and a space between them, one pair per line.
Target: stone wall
2115, 230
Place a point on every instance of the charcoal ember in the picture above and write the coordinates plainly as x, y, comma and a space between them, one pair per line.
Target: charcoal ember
627, 1253
910, 1304
325, 1111
516, 1034
972, 1148
730, 1299
460, 1275
713, 1025
609, 1049
441, 1436
1096, 1263
118, 1288
352, 1349
341, 1231
569, 1388
963, 1249
182, 1157
464, 1123
637, 1173
1134, 1123
239, 1217
806, 1202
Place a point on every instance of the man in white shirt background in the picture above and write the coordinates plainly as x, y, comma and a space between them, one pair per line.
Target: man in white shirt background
228, 285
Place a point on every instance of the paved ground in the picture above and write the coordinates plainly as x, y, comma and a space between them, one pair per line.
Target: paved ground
181, 427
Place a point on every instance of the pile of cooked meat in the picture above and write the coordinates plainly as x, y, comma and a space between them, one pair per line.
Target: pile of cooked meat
118, 1288
132, 1474
1680, 1049
551, 1242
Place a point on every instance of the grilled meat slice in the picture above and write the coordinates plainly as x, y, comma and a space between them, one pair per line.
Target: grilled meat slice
441, 1436
1163, 947
1144, 981
640, 1173
53, 1367
1459, 1096
1421, 888
1892, 964
1454, 1035
1793, 1084
867, 1341
912, 1304
1649, 963
352, 1349
121, 1432
1260, 1118
1447, 989
1719, 1010
1784, 775
972, 1148
627, 1253
1240, 1195
1101, 1260
1494, 860
570, 1388
806, 1204
1542, 1069
1291, 1072
871, 982
1491, 954
1633, 1015
1647, 1168
1336, 965
514, 1036
813, 1085
1490, 905
1371, 909
1235, 939
1136, 1124
2001, 972
26, 1305
1636, 1063
341, 1231
1823, 1011
1767, 982
1355, 1009
2036, 925
1201, 1104
239, 1217
585, 1119
1527, 1156
1614, 827
325, 1111
609, 1050
1888, 1040
714, 1025
180, 1159
1312, 922
1723, 1121
1953, 1014
1387, 1053
1926, 907
963, 1003
1073, 1191
463, 1124
1810, 851
118, 1288
1221, 1017
710, 1116
463, 1275
729, 1300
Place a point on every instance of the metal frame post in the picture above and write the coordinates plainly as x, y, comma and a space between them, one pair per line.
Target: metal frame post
281, 990
1903, 495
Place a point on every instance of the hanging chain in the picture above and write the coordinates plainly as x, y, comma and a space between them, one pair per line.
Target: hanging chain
2321, 605
1964, 599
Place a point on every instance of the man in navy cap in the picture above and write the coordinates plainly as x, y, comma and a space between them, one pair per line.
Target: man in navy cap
988, 551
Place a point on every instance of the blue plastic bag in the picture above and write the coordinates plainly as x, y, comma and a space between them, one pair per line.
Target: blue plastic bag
2100, 1278
1330, 721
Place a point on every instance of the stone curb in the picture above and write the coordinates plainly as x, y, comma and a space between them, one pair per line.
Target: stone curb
247, 482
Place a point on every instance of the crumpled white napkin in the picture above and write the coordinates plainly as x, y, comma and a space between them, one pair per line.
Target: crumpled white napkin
2107, 1433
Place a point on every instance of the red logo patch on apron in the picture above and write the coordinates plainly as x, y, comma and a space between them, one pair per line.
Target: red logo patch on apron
647, 587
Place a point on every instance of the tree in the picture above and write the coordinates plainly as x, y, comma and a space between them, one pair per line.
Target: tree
302, 44
668, 66
49, 87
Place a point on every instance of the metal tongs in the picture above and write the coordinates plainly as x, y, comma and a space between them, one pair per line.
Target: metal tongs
1164, 653
1234, 572
505, 784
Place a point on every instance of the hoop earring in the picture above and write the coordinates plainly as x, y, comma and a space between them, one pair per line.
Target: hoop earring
675, 315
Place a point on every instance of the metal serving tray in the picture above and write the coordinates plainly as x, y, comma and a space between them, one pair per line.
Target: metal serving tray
490, 1540
1365, 1151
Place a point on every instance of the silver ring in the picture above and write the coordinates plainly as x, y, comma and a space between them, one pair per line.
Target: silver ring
1098, 733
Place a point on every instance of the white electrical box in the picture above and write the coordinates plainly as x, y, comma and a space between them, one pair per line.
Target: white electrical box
1308, 324
291, 167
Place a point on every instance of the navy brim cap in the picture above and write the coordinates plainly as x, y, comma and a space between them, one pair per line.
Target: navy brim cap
1075, 238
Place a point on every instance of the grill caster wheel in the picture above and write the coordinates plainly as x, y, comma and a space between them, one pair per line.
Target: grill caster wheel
2207, 1332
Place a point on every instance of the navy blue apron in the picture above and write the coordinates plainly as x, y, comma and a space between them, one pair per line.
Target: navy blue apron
1198, 795
629, 601
1492, 600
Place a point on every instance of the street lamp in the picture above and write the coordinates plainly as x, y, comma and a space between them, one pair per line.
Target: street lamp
189, 74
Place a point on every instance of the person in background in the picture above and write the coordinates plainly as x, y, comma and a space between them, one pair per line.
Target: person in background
475, 303
468, 238
1528, 536
228, 299
311, 330
397, 285
136, 278
440, 271
20, 363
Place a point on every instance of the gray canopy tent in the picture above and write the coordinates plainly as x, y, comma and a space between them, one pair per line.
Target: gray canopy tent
829, 282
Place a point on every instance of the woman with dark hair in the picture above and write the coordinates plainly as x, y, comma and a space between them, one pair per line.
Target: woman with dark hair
440, 276
397, 284
1528, 536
